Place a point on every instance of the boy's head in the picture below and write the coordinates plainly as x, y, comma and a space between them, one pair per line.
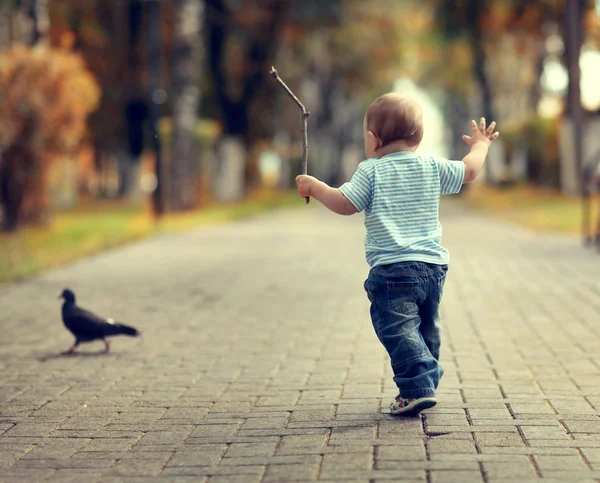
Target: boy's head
392, 118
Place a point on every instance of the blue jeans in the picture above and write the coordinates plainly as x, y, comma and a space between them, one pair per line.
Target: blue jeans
405, 300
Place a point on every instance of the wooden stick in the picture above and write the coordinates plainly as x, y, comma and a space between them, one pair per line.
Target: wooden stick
305, 115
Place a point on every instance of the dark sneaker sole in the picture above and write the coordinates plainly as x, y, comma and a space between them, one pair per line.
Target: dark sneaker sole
416, 409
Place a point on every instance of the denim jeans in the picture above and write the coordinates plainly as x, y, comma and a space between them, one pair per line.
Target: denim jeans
405, 299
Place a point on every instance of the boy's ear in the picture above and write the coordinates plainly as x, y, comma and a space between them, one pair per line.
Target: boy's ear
373, 140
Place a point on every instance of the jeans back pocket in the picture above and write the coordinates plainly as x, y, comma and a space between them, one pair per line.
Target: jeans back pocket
402, 295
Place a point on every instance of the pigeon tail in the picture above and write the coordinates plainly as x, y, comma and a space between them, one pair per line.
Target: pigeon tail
125, 329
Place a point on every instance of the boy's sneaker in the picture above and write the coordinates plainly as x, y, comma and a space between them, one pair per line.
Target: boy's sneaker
411, 407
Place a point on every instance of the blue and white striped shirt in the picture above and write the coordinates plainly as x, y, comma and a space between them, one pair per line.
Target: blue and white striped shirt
400, 194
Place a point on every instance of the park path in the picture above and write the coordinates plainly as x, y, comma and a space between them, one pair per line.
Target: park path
258, 362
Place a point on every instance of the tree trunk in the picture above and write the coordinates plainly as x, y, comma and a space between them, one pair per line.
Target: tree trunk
574, 36
260, 50
474, 17
38, 20
41, 21
12, 190
21, 176
486, 92
187, 47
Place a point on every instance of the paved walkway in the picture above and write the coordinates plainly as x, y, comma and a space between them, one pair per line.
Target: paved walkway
258, 362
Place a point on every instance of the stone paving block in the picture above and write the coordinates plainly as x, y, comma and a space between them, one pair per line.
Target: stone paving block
155, 448
501, 414
234, 479
212, 421
547, 463
322, 425
227, 407
199, 471
64, 463
250, 449
517, 470
271, 460
582, 426
346, 462
119, 455
507, 428
10, 453
56, 448
85, 423
265, 423
543, 432
383, 475
165, 437
401, 453
76, 475
356, 433
204, 431
312, 444
349, 481
25, 474
405, 428
197, 458
456, 477
439, 465
31, 429
322, 415
280, 400
519, 408
485, 393
252, 433
95, 433
348, 449
534, 450
448, 419
312, 396
571, 475
279, 473
450, 446
584, 437
141, 467
360, 408
591, 454
351, 390
499, 439
572, 406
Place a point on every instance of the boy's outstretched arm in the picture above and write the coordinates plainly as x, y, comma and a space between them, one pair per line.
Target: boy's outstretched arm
480, 141
332, 198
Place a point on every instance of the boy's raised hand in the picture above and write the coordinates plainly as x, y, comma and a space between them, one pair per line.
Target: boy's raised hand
481, 134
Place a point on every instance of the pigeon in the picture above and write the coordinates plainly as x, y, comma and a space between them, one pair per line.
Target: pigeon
86, 326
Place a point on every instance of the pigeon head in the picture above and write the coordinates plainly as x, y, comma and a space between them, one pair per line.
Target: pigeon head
68, 295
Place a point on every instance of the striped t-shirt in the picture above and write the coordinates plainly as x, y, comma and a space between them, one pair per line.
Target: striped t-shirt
400, 194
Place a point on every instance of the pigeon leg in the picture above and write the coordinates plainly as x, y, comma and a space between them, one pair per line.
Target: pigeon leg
71, 349
106, 344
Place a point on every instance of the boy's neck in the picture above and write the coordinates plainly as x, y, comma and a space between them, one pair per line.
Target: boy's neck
395, 147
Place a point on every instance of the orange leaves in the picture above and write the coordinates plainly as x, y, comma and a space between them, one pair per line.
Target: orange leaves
45, 97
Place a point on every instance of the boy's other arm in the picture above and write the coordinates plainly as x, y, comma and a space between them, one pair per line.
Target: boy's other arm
331, 198
475, 160
480, 142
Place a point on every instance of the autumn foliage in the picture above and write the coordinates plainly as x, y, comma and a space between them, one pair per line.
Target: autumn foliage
46, 95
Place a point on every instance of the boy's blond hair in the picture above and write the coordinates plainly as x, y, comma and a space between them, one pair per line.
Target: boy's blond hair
393, 117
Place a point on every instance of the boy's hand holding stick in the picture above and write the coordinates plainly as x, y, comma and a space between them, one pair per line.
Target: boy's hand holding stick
305, 115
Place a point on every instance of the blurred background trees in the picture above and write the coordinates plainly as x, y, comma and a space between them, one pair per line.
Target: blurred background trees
173, 98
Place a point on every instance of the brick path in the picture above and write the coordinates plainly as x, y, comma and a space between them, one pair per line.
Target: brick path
258, 362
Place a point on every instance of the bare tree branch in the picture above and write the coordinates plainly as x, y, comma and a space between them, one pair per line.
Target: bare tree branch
305, 115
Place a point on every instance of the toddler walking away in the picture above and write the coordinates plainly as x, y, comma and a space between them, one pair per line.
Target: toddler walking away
399, 191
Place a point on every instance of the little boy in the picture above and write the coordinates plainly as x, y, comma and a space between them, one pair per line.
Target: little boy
399, 191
